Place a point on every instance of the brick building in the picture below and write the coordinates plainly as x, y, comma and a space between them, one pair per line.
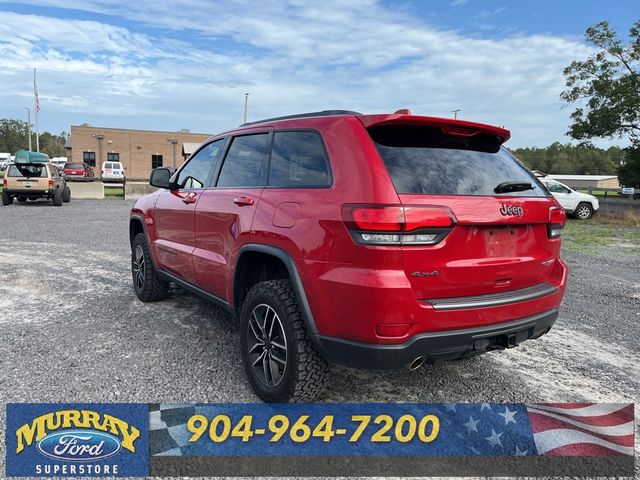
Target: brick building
138, 150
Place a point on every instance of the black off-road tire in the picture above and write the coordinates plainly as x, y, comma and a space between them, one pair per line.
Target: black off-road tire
66, 195
6, 199
584, 211
147, 285
57, 198
306, 371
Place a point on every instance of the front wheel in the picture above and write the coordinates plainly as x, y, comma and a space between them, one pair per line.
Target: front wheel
279, 358
66, 195
584, 211
146, 282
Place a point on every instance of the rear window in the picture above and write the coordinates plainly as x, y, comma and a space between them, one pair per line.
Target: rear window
24, 170
108, 165
298, 159
423, 160
73, 165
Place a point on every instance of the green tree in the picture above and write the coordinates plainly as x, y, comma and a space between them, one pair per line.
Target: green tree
629, 172
606, 87
13, 135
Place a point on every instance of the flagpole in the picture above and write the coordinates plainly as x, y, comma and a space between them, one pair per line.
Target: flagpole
36, 103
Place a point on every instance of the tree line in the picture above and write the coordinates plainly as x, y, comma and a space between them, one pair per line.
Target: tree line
14, 136
573, 159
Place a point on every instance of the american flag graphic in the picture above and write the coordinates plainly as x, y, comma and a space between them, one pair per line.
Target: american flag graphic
582, 429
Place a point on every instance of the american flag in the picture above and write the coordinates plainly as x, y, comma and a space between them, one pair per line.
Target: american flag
582, 429
35, 92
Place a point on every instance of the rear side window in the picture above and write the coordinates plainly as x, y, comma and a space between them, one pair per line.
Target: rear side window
29, 171
244, 163
423, 160
298, 159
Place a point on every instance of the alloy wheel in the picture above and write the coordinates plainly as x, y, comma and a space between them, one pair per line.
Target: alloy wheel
583, 212
267, 345
138, 267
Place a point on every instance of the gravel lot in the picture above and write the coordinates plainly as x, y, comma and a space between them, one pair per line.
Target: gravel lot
72, 329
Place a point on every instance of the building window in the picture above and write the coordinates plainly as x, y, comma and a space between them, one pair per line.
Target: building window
113, 157
156, 161
89, 158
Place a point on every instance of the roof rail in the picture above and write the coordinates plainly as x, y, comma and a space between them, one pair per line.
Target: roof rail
323, 113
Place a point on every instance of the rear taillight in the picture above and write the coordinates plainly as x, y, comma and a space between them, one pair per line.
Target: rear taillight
5, 184
397, 224
557, 219
50, 183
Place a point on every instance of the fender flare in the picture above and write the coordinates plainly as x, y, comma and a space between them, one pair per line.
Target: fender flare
287, 260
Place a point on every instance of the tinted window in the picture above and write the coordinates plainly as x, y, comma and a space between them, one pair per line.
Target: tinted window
298, 159
195, 174
422, 160
243, 166
89, 158
24, 170
74, 165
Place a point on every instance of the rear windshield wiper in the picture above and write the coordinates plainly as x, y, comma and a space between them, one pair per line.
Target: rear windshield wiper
506, 187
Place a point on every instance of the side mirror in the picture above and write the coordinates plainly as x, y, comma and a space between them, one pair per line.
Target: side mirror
160, 177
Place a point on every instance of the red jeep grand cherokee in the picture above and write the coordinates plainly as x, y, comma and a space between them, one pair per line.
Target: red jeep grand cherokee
374, 241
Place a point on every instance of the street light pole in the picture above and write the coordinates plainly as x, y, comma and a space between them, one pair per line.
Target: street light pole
455, 113
29, 124
246, 106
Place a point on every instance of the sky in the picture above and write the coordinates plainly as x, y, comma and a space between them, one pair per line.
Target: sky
170, 64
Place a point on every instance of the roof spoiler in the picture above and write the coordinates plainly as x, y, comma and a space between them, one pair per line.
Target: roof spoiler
449, 126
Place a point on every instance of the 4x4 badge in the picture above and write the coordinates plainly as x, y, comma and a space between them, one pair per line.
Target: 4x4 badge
511, 210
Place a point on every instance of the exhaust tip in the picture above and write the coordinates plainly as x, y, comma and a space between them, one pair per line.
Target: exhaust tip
417, 363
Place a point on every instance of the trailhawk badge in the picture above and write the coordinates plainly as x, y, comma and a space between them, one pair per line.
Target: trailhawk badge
511, 210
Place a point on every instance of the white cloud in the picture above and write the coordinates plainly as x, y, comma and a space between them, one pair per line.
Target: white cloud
293, 56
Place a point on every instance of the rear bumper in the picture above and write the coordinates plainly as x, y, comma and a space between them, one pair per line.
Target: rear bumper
28, 192
436, 346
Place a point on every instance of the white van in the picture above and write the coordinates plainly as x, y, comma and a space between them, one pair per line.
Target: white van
113, 172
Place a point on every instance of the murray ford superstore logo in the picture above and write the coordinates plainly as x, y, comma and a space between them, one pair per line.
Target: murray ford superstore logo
77, 439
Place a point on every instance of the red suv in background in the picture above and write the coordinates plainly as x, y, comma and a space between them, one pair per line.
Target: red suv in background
373, 241
78, 171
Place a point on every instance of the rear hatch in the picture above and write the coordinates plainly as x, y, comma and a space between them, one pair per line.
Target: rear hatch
27, 176
498, 238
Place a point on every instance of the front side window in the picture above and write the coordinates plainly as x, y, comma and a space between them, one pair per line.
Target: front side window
556, 187
195, 174
156, 161
298, 159
244, 164
89, 158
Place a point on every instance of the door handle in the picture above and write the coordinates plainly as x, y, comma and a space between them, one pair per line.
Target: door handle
190, 198
243, 201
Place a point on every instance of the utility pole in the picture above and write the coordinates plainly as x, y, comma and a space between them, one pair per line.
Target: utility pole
36, 105
455, 113
29, 124
246, 106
